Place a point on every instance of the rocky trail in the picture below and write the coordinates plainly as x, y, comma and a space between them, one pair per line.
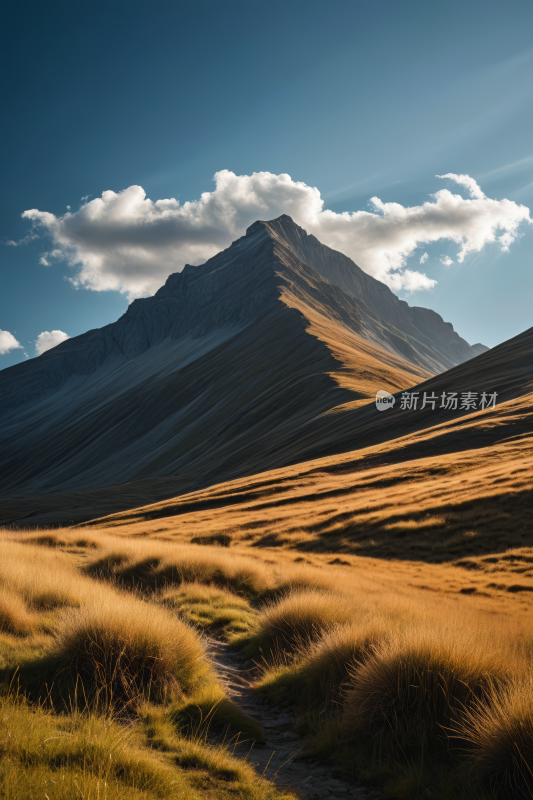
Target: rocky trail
277, 759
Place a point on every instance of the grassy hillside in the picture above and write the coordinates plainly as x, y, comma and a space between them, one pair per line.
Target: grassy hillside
106, 692
397, 675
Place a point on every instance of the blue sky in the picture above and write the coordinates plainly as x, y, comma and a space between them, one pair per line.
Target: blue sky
357, 99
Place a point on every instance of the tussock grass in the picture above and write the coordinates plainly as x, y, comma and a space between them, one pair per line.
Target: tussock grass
387, 690
313, 679
210, 708
110, 648
126, 651
500, 734
411, 688
220, 539
77, 756
293, 621
54, 539
44, 579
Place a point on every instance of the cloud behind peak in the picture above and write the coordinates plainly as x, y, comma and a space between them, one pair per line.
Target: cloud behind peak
48, 339
123, 241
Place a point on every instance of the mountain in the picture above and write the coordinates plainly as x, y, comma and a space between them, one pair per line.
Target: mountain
479, 348
251, 361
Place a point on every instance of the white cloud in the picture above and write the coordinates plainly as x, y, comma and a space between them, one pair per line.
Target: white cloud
49, 339
423, 258
465, 180
126, 242
446, 260
8, 343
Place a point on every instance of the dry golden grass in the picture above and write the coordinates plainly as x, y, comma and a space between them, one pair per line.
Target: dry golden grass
151, 565
14, 614
33, 574
500, 733
410, 687
490, 584
381, 658
210, 608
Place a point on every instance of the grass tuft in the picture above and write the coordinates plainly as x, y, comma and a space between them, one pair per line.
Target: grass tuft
127, 651
411, 688
290, 623
500, 733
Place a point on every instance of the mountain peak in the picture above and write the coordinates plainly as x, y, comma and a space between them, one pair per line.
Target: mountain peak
283, 219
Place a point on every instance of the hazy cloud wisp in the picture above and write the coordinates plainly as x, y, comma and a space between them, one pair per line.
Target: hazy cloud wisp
126, 242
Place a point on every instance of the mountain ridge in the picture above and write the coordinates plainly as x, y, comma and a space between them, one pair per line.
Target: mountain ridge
229, 368
134, 338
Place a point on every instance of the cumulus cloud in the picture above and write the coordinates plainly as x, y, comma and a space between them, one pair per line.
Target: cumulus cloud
446, 260
126, 242
48, 339
423, 258
8, 343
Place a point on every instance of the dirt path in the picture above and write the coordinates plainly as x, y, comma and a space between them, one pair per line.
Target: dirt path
276, 760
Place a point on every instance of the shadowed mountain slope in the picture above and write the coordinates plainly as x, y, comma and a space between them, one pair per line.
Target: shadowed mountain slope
229, 369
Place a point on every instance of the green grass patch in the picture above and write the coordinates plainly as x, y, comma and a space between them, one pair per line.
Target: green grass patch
211, 609
87, 756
